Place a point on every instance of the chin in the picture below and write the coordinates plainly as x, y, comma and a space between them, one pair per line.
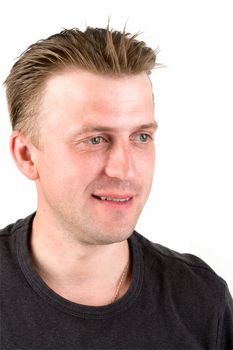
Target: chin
101, 232
114, 236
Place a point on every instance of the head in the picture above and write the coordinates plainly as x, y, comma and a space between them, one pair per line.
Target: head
81, 108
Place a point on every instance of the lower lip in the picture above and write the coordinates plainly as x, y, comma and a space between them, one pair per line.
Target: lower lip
113, 204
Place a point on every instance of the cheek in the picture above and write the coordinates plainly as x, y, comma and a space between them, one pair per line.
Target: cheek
82, 169
146, 164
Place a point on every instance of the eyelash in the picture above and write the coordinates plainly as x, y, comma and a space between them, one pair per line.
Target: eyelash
93, 138
148, 137
104, 140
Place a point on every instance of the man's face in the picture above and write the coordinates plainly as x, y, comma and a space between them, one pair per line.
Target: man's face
96, 158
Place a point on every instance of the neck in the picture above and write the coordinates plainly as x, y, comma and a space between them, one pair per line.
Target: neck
82, 273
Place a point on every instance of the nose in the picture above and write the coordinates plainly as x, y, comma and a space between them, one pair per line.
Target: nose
120, 163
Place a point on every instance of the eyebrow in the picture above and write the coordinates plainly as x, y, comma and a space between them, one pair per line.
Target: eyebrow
99, 128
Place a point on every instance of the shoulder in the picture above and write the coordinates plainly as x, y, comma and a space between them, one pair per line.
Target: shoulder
6, 231
10, 238
11, 228
179, 268
189, 288
184, 280
9, 233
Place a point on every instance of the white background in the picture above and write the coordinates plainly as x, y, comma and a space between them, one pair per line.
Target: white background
190, 207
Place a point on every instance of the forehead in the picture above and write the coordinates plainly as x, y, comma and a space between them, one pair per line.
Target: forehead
78, 96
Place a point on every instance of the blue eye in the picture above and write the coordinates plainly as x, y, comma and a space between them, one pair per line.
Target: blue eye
95, 140
143, 137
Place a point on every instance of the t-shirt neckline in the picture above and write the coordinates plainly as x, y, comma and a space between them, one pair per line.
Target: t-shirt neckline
42, 289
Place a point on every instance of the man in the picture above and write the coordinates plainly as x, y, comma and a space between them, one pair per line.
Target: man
75, 274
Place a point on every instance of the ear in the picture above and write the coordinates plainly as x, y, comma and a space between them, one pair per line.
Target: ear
21, 151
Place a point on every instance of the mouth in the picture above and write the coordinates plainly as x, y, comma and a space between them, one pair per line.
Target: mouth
114, 199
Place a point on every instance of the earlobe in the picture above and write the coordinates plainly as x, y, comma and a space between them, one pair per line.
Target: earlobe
21, 151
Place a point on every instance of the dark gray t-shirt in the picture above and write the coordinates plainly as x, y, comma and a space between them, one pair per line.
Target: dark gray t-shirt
175, 301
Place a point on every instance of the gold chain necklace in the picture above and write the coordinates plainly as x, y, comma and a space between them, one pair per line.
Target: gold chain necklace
122, 279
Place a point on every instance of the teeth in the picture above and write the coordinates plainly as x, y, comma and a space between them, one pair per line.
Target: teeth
115, 199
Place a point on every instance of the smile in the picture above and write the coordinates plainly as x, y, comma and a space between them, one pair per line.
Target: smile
113, 199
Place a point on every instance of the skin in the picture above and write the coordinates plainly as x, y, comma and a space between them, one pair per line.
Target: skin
96, 140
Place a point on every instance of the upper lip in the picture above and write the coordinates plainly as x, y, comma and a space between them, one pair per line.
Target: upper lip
113, 195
